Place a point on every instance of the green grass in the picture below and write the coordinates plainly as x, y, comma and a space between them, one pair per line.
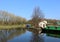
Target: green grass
11, 26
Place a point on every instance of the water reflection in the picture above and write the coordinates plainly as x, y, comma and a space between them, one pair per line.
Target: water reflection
26, 35
53, 35
14, 33
3, 36
36, 36
6, 35
29, 36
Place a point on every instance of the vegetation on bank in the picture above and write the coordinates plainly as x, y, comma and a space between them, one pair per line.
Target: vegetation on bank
12, 26
7, 18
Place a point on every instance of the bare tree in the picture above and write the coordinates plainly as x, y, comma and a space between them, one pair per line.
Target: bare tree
37, 13
37, 16
9, 18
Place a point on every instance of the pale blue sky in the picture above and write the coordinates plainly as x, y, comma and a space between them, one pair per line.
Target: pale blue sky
24, 8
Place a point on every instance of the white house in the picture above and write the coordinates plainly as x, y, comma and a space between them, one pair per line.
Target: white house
43, 24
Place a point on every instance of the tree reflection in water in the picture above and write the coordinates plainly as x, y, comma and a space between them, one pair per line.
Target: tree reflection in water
28, 35
6, 35
3, 36
36, 36
15, 33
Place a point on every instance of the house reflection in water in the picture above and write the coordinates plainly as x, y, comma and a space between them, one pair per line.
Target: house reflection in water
36, 37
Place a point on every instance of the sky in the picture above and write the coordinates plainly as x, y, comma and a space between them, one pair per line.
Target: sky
24, 8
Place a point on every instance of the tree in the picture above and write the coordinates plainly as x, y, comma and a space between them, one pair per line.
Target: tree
37, 16
9, 18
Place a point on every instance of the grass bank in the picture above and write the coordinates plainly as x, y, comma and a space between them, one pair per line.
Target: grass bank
11, 26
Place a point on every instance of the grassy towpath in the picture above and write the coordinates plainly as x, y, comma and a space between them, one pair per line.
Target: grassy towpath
11, 26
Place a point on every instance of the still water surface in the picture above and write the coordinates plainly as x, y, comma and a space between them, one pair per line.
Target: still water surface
27, 35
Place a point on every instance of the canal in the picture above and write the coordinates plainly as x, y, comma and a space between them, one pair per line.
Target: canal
27, 35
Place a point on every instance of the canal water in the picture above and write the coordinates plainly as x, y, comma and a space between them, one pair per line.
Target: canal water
27, 35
